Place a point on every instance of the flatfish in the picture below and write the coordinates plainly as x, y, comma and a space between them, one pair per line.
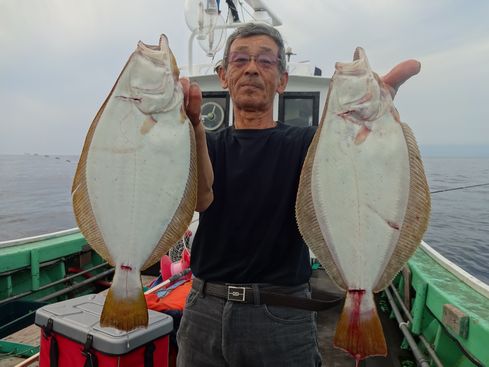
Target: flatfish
134, 191
363, 202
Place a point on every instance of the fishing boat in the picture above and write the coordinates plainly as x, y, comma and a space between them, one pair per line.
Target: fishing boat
433, 314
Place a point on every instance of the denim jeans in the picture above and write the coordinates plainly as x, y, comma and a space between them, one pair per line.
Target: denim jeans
215, 332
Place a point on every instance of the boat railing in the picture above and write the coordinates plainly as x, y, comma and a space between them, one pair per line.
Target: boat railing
456, 270
21, 241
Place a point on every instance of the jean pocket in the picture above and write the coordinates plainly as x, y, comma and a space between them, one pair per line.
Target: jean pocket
192, 297
288, 315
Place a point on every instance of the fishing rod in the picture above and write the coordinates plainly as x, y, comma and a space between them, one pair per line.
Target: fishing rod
459, 188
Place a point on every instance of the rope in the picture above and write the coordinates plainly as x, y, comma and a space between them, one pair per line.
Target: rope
459, 188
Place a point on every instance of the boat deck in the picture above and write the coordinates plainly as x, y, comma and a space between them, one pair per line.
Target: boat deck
28, 336
322, 288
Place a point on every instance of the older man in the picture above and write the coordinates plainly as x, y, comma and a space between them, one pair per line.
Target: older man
247, 245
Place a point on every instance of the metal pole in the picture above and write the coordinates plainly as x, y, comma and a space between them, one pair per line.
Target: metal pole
191, 41
418, 355
75, 286
60, 293
427, 345
51, 284
29, 361
168, 281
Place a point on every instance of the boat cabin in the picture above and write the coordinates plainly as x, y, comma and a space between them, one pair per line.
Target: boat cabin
300, 105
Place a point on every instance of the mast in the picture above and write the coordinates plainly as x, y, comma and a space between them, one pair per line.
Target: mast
207, 25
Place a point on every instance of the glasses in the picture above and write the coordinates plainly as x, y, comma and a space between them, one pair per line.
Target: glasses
264, 60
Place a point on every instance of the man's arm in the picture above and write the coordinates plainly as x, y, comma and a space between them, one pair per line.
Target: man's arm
193, 101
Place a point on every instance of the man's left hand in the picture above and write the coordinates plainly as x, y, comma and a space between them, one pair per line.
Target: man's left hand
400, 73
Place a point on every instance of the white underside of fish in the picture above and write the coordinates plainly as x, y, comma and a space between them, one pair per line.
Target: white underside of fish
136, 181
360, 194
363, 201
135, 188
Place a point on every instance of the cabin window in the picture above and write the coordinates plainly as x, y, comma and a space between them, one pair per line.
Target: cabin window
299, 108
215, 110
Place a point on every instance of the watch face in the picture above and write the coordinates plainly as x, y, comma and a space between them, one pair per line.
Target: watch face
212, 115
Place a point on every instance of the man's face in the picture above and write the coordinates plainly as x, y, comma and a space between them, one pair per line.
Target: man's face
253, 83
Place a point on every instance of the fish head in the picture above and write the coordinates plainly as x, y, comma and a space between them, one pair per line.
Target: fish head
360, 95
154, 78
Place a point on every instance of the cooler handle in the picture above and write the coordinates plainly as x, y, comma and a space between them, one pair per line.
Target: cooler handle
53, 351
148, 355
91, 358
53, 343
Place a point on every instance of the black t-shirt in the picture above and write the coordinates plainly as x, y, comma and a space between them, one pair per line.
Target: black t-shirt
249, 232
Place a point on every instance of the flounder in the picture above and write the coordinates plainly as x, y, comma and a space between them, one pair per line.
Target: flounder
135, 187
363, 202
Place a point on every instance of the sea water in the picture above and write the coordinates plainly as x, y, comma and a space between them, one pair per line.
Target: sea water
35, 199
459, 222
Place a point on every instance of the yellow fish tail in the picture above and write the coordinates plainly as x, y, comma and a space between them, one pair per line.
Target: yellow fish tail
359, 331
125, 306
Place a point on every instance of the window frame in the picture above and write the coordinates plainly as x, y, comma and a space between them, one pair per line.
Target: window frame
222, 94
299, 95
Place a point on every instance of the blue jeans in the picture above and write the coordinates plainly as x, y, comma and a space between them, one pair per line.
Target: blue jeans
216, 332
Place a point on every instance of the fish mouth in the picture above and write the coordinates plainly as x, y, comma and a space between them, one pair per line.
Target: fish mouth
358, 54
161, 46
158, 54
358, 66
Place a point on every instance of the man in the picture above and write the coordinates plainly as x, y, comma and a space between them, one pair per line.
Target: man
247, 243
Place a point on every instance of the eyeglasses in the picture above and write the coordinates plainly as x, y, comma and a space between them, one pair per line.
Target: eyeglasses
264, 60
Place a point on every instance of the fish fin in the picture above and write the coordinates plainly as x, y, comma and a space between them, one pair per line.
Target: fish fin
306, 215
359, 331
185, 211
125, 305
82, 206
361, 135
164, 45
417, 214
147, 125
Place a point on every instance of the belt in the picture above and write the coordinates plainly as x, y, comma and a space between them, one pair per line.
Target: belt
246, 294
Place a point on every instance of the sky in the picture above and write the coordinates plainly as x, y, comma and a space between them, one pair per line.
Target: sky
60, 58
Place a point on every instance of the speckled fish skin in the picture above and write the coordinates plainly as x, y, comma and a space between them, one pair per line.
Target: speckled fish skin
134, 191
363, 201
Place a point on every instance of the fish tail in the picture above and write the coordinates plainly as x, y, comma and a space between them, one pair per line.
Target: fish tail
125, 305
359, 331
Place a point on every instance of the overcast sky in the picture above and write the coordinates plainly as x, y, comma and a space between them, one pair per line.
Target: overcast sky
60, 58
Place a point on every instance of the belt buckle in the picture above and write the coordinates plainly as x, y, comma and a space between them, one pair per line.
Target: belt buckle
236, 294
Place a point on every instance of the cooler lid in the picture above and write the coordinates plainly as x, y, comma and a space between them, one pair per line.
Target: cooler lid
78, 317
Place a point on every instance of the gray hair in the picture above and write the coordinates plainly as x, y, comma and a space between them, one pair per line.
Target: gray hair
257, 29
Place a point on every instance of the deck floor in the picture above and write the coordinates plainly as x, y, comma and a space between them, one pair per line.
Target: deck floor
29, 336
322, 287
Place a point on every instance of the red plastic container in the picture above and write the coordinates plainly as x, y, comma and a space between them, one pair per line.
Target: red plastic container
71, 336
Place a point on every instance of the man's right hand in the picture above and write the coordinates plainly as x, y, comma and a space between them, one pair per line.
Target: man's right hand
192, 103
192, 100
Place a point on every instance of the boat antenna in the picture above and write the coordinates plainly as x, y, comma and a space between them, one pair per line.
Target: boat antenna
289, 53
459, 188
233, 10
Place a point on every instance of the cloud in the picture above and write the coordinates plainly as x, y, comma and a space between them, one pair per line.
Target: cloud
445, 102
60, 59
37, 125
64, 28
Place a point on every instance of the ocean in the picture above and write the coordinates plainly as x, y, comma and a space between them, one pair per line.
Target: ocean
35, 199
